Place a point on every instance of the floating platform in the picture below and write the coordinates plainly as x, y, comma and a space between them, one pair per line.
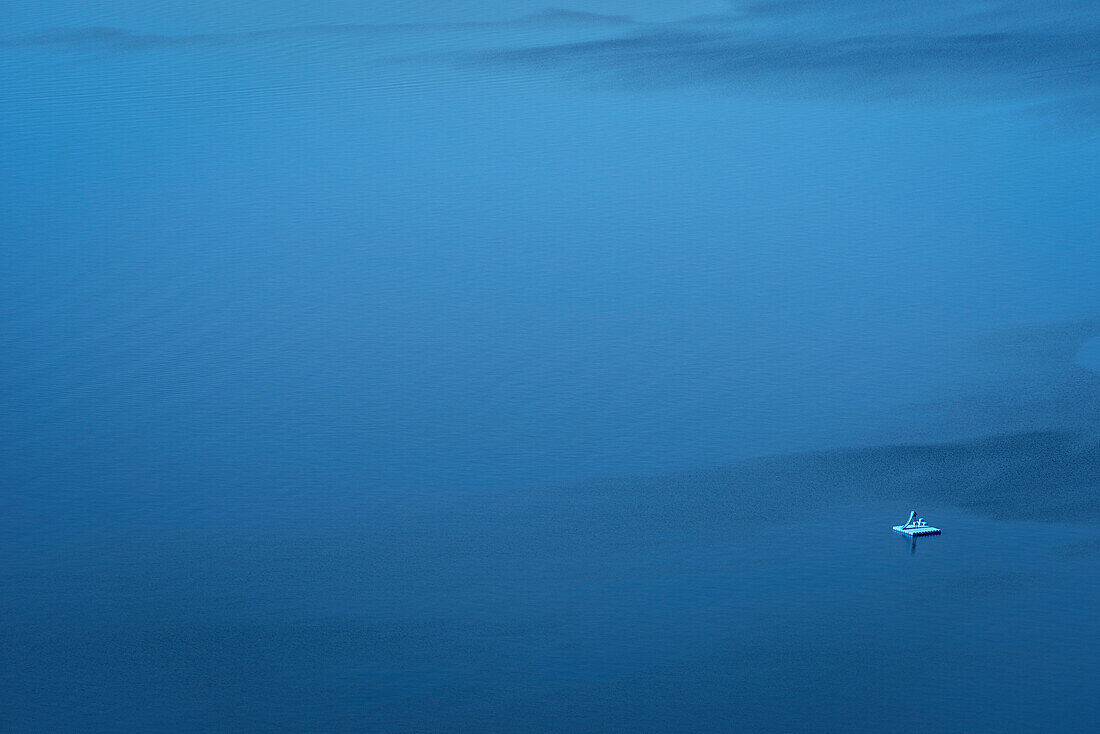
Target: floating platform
915, 526
912, 532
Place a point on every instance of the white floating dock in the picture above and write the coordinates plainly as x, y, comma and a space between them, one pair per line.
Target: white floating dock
914, 531
915, 526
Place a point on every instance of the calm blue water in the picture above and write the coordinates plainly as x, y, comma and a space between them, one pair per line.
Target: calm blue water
769, 598
476, 367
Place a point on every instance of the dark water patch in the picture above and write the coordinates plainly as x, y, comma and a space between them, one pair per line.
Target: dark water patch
1045, 476
1082, 549
1035, 476
939, 53
647, 605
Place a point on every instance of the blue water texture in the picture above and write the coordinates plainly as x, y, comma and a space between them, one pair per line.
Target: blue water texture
483, 367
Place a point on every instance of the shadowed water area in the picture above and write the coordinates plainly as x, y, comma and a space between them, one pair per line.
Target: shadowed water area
479, 367
769, 595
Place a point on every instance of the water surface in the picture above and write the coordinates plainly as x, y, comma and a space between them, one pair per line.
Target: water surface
494, 368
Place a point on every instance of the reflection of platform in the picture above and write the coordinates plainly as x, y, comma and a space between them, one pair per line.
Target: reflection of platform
913, 531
